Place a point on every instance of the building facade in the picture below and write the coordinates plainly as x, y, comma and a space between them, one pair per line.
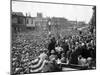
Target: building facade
18, 21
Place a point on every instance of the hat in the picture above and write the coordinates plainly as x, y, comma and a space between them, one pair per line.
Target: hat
89, 59
52, 51
52, 57
43, 56
76, 43
66, 40
82, 44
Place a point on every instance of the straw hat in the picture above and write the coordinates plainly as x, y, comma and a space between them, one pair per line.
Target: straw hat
52, 51
43, 56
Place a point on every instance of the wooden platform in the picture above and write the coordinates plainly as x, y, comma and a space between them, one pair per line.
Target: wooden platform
72, 67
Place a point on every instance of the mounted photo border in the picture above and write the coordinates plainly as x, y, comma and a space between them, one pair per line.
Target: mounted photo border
43, 3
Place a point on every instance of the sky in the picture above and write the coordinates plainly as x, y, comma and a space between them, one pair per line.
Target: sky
70, 12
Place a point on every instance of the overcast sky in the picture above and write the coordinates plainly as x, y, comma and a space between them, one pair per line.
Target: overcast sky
70, 12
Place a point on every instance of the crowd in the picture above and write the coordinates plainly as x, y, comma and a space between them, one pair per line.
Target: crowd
75, 49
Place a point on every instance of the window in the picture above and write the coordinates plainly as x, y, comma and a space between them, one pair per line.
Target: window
31, 21
27, 21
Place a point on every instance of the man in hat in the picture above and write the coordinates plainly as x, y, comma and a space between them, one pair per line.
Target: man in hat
53, 56
51, 45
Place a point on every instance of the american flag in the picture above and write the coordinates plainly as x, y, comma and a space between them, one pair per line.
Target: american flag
36, 65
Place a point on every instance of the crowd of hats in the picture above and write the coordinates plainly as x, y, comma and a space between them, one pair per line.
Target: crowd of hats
26, 47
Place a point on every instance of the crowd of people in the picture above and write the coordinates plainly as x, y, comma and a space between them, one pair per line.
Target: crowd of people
74, 49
